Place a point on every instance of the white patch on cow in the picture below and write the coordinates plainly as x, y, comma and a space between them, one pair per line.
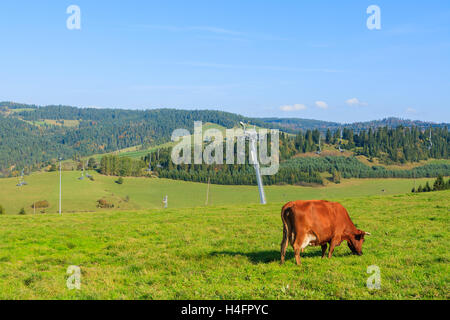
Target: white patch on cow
308, 239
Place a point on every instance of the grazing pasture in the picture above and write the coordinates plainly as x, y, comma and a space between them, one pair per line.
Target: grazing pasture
225, 252
147, 193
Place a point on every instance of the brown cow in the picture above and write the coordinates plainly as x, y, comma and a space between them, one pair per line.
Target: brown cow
318, 223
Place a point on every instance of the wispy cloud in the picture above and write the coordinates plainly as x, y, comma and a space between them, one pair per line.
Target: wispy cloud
321, 105
182, 87
258, 67
207, 29
407, 29
411, 110
214, 30
355, 102
294, 107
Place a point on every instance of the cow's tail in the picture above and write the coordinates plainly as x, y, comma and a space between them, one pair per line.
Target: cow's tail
288, 234
286, 217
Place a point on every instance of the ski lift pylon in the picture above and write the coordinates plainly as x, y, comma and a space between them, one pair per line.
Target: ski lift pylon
431, 142
22, 181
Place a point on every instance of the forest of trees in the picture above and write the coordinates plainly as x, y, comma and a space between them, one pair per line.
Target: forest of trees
351, 167
302, 170
390, 145
26, 142
438, 185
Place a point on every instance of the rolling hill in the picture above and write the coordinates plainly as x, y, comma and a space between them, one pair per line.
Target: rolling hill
32, 136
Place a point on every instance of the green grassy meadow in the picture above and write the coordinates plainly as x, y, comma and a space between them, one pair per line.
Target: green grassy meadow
225, 252
148, 193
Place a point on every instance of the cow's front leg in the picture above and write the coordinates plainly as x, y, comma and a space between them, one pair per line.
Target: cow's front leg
324, 249
334, 242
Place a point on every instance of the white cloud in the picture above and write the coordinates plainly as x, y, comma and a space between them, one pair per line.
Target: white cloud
295, 107
411, 110
321, 105
355, 102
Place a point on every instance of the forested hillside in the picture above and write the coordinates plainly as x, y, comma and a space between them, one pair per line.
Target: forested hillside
390, 145
33, 137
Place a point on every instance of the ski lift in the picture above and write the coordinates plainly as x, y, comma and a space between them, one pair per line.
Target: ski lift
166, 202
252, 137
431, 142
82, 174
86, 174
22, 181
149, 169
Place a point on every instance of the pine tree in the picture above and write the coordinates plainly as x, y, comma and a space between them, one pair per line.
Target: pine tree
439, 184
328, 136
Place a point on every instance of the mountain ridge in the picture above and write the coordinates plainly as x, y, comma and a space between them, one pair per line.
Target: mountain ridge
293, 123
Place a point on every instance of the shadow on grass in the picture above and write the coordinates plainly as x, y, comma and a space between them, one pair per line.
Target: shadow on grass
266, 256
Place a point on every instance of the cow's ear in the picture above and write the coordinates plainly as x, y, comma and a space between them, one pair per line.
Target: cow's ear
359, 234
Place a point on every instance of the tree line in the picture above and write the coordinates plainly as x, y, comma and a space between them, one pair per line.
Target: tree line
438, 185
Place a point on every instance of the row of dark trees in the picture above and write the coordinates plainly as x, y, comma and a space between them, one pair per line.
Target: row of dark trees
351, 167
438, 185
294, 171
236, 174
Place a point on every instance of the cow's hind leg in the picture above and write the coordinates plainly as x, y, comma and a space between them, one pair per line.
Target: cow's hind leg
284, 244
298, 246
324, 249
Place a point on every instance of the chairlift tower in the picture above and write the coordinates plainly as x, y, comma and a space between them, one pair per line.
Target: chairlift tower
60, 185
340, 140
431, 142
82, 173
252, 137
22, 181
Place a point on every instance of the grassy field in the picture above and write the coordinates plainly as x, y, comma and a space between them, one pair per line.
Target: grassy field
225, 252
146, 193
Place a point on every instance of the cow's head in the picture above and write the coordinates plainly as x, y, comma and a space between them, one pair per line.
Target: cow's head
356, 241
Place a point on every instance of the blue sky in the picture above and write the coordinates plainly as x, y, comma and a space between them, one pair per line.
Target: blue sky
306, 59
